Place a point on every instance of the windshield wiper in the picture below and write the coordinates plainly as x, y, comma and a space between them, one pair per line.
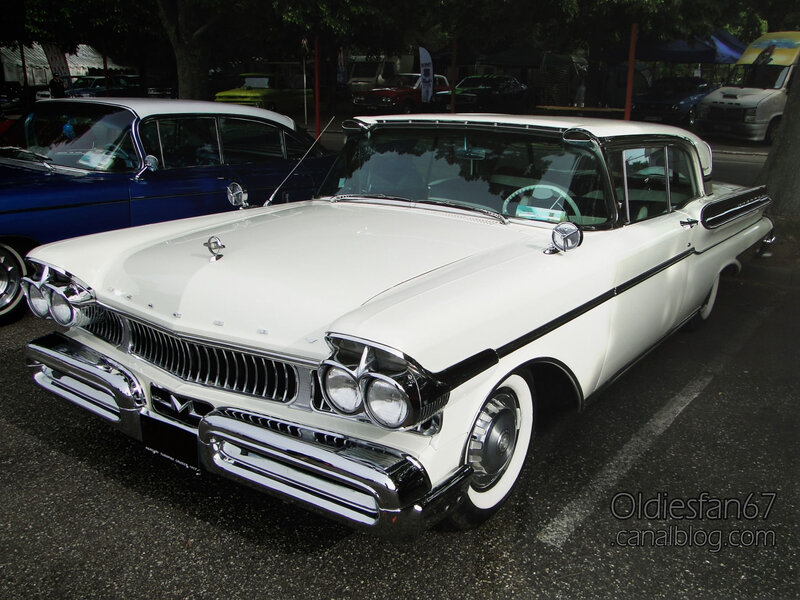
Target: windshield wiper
44, 160
484, 211
370, 196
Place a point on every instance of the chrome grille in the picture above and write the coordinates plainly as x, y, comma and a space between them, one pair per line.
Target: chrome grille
197, 362
105, 324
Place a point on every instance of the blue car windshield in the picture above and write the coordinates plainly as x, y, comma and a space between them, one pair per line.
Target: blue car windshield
91, 137
520, 176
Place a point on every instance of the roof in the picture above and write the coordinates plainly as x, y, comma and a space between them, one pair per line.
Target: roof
145, 107
602, 129
777, 48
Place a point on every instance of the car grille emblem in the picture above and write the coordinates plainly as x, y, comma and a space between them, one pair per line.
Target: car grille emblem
215, 246
179, 406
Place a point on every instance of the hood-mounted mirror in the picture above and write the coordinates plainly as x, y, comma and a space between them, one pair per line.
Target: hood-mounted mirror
566, 236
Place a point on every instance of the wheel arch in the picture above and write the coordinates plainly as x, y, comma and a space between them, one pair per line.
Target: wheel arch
554, 384
20, 243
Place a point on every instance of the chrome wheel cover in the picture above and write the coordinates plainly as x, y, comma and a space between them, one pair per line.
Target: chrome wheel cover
493, 439
11, 273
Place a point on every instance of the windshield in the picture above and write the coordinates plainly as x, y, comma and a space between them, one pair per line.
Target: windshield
403, 80
256, 82
473, 82
87, 82
365, 69
763, 77
92, 137
516, 175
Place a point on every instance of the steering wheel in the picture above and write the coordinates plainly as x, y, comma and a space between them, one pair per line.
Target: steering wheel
558, 192
119, 154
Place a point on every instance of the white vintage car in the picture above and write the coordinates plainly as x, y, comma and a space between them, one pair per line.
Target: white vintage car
376, 354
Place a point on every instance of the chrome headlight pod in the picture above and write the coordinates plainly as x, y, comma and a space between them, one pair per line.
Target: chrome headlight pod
386, 402
392, 390
38, 299
56, 294
67, 303
341, 388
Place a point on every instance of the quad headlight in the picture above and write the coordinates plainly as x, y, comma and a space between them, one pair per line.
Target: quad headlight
365, 379
56, 294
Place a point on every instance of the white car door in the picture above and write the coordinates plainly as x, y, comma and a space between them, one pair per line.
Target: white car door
654, 248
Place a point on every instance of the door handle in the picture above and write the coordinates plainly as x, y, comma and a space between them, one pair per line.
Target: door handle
689, 223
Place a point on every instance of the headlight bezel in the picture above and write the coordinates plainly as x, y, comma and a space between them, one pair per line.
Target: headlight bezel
52, 285
369, 362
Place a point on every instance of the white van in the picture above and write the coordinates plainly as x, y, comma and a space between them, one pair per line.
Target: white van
367, 72
749, 106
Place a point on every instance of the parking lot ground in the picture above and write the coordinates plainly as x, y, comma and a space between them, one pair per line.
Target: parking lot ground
710, 416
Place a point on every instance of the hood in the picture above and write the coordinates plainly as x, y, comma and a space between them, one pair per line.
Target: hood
736, 95
387, 91
286, 273
243, 91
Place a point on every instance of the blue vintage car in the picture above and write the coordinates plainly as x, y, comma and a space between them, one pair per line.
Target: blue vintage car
73, 167
673, 100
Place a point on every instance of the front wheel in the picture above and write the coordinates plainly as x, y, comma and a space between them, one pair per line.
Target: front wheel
12, 270
496, 450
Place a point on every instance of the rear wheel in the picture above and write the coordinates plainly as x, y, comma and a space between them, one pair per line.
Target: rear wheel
12, 270
496, 450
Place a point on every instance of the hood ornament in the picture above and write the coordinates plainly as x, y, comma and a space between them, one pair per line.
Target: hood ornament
215, 246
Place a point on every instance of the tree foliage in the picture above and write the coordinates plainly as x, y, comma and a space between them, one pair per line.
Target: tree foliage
195, 35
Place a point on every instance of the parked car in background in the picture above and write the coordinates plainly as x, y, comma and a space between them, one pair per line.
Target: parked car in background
73, 167
378, 354
117, 86
10, 96
750, 104
273, 92
402, 93
673, 100
487, 93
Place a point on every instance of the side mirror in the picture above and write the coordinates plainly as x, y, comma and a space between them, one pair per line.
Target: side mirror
566, 236
237, 195
150, 164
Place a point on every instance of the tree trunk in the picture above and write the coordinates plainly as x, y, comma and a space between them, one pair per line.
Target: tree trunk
781, 172
192, 73
184, 27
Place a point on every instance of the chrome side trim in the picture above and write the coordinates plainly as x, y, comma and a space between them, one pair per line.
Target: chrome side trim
734, 206
87, 378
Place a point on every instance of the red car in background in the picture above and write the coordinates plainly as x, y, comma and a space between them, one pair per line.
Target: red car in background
403, 94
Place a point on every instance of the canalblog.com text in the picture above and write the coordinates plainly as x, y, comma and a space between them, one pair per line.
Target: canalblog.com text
632, 507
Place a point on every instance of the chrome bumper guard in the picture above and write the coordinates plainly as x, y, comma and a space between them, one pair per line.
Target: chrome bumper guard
87, 378
354, 481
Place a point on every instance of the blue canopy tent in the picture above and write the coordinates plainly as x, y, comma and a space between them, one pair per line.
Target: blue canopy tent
719, 48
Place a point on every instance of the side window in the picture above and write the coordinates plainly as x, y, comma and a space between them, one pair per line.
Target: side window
641, 183
682, 180
298, 144
182, 142
245, 141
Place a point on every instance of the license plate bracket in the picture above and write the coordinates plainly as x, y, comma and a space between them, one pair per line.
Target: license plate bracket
171, 442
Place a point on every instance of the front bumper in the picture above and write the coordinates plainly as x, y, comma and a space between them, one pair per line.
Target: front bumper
735, 129
354, 481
